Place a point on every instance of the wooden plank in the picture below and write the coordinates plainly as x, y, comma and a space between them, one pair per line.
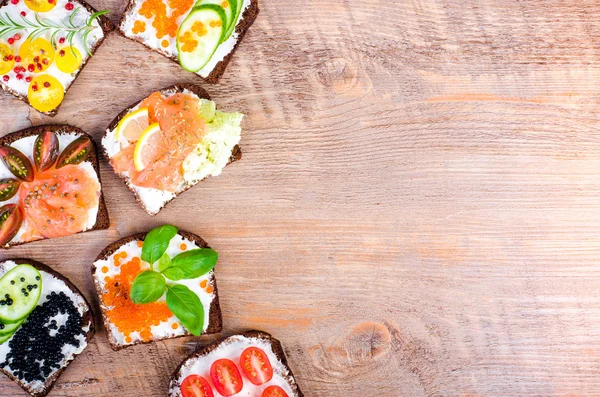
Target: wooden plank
416, 212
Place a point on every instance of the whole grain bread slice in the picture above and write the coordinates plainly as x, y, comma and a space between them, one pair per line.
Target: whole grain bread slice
174, 384
102, 220
87, 321
107, 27
248, 17
236, 153
215, 323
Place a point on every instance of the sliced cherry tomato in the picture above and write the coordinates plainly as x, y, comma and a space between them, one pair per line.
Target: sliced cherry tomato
7, 60
226, 377
68, 60
196, 386
45, 93
39, 53
40, 5
256, 365
274, 391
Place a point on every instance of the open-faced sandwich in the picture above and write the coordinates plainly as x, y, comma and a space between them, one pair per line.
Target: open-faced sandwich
49, 185
45, 322
170, 141
44, 44
201, 35
156, 286
252, 364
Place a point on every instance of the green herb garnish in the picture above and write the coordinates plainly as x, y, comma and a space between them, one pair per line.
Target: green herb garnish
156, 243
40, 26
150, 285
186, 306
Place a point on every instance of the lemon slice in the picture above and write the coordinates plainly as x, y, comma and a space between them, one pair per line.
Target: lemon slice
147, 146
133, 125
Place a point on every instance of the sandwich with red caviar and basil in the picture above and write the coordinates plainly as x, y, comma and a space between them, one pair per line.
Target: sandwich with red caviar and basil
157, 285
45, 322
201, 35
252, 364
49, 185
169, 142
44, 44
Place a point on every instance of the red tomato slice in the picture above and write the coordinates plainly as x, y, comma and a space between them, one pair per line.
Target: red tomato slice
226, 377
196, 386
274, 391
256, 366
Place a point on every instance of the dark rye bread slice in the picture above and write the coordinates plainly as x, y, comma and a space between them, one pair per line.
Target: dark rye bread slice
236, 153
107, 27
275, 345
102, 221
87, 320
215, 320
247, 19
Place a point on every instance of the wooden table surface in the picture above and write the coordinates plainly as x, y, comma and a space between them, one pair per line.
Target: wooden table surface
417, 212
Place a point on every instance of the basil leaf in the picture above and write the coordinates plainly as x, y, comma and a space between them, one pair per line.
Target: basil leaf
147, 287
164, 262
191, 264
156, 243
186, 306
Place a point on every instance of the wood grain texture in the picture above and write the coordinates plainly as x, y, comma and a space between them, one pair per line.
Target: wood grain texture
417, 211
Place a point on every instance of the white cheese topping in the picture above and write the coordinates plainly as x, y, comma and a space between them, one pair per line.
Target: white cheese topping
50, 284
57, 15
232, 349
149, 36
164, 329
25, 146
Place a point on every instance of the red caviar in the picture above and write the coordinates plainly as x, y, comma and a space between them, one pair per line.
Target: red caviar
123, 313
164, 24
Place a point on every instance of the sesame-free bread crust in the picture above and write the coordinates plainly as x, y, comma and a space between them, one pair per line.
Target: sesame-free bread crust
215, 321
236, 153
203, 351
248, 17
102, 220
107, 27
87, 320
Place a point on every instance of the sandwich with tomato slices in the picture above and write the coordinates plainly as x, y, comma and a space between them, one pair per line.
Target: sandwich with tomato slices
251, 364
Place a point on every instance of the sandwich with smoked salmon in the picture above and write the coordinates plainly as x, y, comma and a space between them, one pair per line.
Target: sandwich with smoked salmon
170, 141
49, 185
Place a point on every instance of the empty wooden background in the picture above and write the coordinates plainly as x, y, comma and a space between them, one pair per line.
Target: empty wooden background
417, 212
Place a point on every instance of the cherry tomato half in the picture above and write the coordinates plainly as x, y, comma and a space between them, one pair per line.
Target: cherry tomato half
274, 391
196, 386
256, 365
226, 377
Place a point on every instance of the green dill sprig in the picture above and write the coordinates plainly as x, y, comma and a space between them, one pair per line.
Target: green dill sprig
40, 26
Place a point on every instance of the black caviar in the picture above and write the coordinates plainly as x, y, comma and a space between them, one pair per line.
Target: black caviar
7, 301
34, 353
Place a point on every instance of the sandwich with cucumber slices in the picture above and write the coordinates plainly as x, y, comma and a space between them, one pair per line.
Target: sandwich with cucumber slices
170, 141
45, 322
201, 35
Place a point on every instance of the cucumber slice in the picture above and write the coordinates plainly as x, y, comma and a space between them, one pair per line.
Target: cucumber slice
4, 338
229, 7
21, 303
236, 8
193, 59
9, 329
